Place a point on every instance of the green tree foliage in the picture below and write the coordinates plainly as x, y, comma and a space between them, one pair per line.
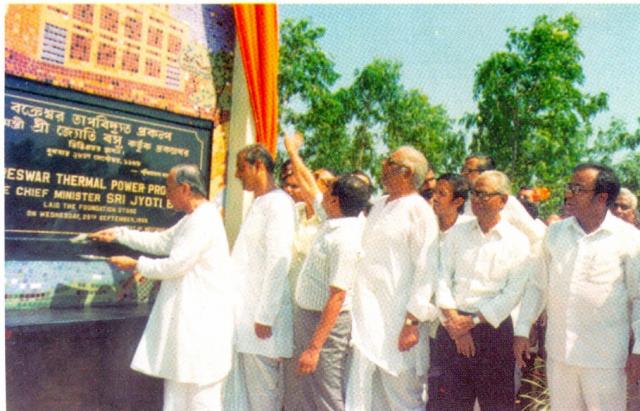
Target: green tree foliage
352, 127
306, 72
618, 148
629, 172
532, 116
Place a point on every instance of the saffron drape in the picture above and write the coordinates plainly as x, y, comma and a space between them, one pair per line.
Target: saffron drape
257, 32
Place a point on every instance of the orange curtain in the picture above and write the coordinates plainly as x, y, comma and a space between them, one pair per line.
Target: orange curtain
257, 31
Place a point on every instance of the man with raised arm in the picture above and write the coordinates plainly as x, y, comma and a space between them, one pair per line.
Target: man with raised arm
188, 338
306, 228
322, 318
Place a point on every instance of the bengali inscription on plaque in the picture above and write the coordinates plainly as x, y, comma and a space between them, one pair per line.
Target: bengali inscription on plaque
73, 168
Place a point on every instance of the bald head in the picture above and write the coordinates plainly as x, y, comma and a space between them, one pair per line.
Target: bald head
499, 181
414, 161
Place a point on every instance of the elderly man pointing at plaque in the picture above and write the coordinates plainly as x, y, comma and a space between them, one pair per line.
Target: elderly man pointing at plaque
188, 338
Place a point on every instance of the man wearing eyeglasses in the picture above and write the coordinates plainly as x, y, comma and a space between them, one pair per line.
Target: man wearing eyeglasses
588, 279
392, 291
513, 211
188, 339
626, 206
481, 279
428, 186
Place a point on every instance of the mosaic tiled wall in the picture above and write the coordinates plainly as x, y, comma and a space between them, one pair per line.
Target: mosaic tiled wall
177, 58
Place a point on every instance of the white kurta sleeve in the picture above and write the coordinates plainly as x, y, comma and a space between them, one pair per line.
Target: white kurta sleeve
420, 304
278, 245
632, 280
423, 251
499, 308
150, 242
535, 293
188, 245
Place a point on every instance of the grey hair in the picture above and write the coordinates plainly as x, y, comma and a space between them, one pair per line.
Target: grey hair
417, 162
190, 174
503, 184
625, 192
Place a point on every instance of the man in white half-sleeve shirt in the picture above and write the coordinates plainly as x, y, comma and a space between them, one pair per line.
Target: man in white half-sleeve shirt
513, 211
483, 273
588, 281
262, 255
322, 319
188, 338
392, 290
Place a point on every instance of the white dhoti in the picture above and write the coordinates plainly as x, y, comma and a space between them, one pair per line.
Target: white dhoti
574, 388
192, 397
371, 388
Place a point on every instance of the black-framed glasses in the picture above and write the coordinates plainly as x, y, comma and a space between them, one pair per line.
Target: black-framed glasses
577, 188
484, 195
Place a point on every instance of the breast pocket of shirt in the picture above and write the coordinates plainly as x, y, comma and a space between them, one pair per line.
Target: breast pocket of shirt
604, 268
318, 258
501, 262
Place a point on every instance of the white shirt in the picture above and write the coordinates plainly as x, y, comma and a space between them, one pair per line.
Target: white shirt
483, 272
188, 337
515, 213
433, 325
332, 262
588, 282
395, 276
262, 255
305, 231
462, 218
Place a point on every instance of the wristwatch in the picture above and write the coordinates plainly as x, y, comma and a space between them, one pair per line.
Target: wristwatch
476, 319
411, 322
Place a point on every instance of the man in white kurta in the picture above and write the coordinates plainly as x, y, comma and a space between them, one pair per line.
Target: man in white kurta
392, 291
588, 280
262, 255
188, 338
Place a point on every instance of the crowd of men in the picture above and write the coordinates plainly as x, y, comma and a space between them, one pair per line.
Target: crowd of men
424, 296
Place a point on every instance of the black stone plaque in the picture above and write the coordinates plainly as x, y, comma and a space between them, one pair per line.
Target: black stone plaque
76, 163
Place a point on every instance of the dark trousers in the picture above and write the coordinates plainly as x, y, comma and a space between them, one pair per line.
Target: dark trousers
488, 376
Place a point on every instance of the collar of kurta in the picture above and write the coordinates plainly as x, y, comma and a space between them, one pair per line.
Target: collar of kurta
496, 230
333, 223
609, 224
